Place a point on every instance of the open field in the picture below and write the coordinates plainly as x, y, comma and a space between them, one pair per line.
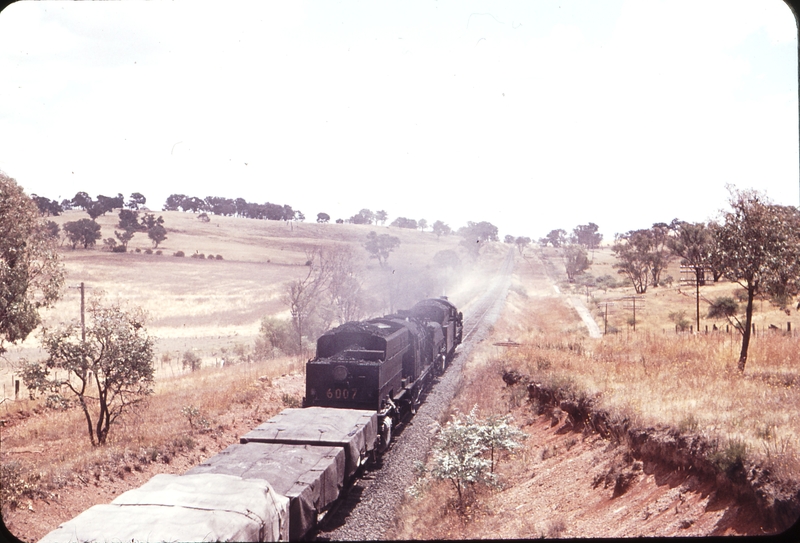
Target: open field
214, 307
652, 377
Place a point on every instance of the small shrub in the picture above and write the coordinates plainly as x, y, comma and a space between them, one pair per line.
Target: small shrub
731, 457
138, 250
680, 320
195, 418
191, 360
204, 217
555, 528
148, 251
688, 424
178, 253
57, 402
159, 252
210, 257
290, 401
199, 255
219, 257
723, 307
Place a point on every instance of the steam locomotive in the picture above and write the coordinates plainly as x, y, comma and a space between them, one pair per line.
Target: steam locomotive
283, 475
384, 364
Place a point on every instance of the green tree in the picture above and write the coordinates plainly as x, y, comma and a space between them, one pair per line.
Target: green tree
660, 254
381, 216
109, 371
575, 261
157, 233
104, 204
461, 446
380, 246
404, 222
149, 221
129, 220
83, 231
557, 238
323, 218
82, 200
498, 434
31, 274
587, 235
694, 243
46, 206
522, 242
476, 235
441, 229
129, 223
274, 338
633, 252
175, 201
422, 224
136, 200
726, 307
458, 456
757, 245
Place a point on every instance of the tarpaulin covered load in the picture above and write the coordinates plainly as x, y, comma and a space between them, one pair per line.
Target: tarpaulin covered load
310, 476
202, 507
354, 430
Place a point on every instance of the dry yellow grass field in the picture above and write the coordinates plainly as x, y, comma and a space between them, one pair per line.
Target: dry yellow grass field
652, 377
214, 307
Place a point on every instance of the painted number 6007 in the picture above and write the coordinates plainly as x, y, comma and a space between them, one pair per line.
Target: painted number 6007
341, 393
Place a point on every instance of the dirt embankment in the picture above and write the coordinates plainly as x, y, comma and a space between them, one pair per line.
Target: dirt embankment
774, 504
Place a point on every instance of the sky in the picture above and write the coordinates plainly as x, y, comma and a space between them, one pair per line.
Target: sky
532, 115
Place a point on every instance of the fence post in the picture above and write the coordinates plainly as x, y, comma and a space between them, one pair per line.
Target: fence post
16, 389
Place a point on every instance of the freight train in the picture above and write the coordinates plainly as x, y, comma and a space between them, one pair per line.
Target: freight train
277, 482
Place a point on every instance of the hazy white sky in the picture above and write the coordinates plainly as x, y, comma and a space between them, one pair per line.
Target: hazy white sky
532, 115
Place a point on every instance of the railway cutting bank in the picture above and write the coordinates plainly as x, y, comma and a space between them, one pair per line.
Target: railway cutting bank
590, 467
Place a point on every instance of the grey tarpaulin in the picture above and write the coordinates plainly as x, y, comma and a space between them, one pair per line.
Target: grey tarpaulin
310, 476
203, 507
354, 430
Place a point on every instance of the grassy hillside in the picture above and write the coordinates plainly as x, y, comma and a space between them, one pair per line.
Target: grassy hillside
214, 306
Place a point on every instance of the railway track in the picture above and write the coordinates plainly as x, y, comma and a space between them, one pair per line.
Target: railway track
368, 508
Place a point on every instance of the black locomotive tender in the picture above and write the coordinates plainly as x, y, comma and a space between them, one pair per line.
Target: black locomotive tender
274, 484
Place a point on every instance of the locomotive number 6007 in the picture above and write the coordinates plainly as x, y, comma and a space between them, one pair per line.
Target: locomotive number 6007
341, 393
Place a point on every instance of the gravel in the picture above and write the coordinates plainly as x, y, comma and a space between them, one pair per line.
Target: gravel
368, 510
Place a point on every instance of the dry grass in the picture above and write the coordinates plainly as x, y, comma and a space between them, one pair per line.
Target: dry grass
652, 376
51, 448
215, 306
689, 381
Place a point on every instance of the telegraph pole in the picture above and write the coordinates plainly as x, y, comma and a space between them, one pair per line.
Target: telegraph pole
83, 311
83, 315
